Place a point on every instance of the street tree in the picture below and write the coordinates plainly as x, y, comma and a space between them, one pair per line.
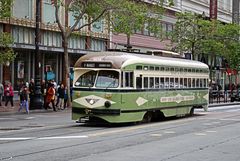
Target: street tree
210, 42
124, 12
187, 33
6, 52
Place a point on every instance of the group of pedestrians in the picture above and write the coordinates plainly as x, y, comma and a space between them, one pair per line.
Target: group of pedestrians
56, 95
53, 94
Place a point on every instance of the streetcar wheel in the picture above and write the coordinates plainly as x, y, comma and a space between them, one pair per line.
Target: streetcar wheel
192, 111
147, 117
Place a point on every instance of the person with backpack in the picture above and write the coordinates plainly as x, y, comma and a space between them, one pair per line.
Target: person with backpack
23, 99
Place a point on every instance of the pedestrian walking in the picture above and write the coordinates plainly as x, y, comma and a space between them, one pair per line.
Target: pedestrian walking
8, 92
1, 93
24, 99
58, 86
65, 97
60, 92
44, 91
50, 97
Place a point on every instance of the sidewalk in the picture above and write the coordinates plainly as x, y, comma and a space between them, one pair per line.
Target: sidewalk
14, 110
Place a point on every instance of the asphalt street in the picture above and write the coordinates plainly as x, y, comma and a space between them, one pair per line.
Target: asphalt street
208, 136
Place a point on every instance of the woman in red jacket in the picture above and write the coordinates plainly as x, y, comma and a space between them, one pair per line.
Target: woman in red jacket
8, 93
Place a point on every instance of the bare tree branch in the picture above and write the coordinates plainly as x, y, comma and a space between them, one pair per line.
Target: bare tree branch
58, 19
94, 20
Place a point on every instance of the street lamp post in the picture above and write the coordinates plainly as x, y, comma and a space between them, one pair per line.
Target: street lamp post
36, 100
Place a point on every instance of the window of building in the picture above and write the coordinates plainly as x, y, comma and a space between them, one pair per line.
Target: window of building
23, 9
48, 11
156, 68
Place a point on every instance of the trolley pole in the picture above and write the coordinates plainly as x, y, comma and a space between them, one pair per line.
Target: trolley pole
36, 101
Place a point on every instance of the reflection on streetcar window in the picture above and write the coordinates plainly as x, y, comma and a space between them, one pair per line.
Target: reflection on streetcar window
87, 79
107, 79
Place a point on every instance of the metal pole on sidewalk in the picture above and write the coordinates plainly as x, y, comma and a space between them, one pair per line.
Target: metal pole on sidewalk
36, 101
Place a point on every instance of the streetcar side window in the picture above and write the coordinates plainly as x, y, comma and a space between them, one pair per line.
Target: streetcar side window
193, 82
205, 83
151, 82
171, 83
161, 83
176, 83
145, 82
166, 84
139, 67
128, 79
189, 82
197, 83
181, 83
139, 82
185, 83
201, 83
157, 82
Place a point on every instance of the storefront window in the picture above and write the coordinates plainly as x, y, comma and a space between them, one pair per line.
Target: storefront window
21, 69
50, 66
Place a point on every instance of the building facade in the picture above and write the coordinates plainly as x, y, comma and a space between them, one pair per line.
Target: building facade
22, 27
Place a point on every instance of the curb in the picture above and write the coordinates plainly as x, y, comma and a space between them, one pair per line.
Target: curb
31, 112
223, 104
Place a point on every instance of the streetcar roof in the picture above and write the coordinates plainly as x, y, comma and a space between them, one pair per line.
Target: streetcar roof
120, 60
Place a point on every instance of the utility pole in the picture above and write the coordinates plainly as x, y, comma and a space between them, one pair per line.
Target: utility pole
36, 101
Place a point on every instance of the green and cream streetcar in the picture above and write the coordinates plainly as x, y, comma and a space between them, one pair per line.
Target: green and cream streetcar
125, 87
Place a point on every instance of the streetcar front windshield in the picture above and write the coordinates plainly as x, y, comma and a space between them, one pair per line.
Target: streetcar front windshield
87, 79
107, 79
103, 79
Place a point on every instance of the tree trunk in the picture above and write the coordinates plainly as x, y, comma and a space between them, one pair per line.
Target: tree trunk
193, 51
66, 77
211, 66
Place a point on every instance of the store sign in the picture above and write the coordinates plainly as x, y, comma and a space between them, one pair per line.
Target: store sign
213, 9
